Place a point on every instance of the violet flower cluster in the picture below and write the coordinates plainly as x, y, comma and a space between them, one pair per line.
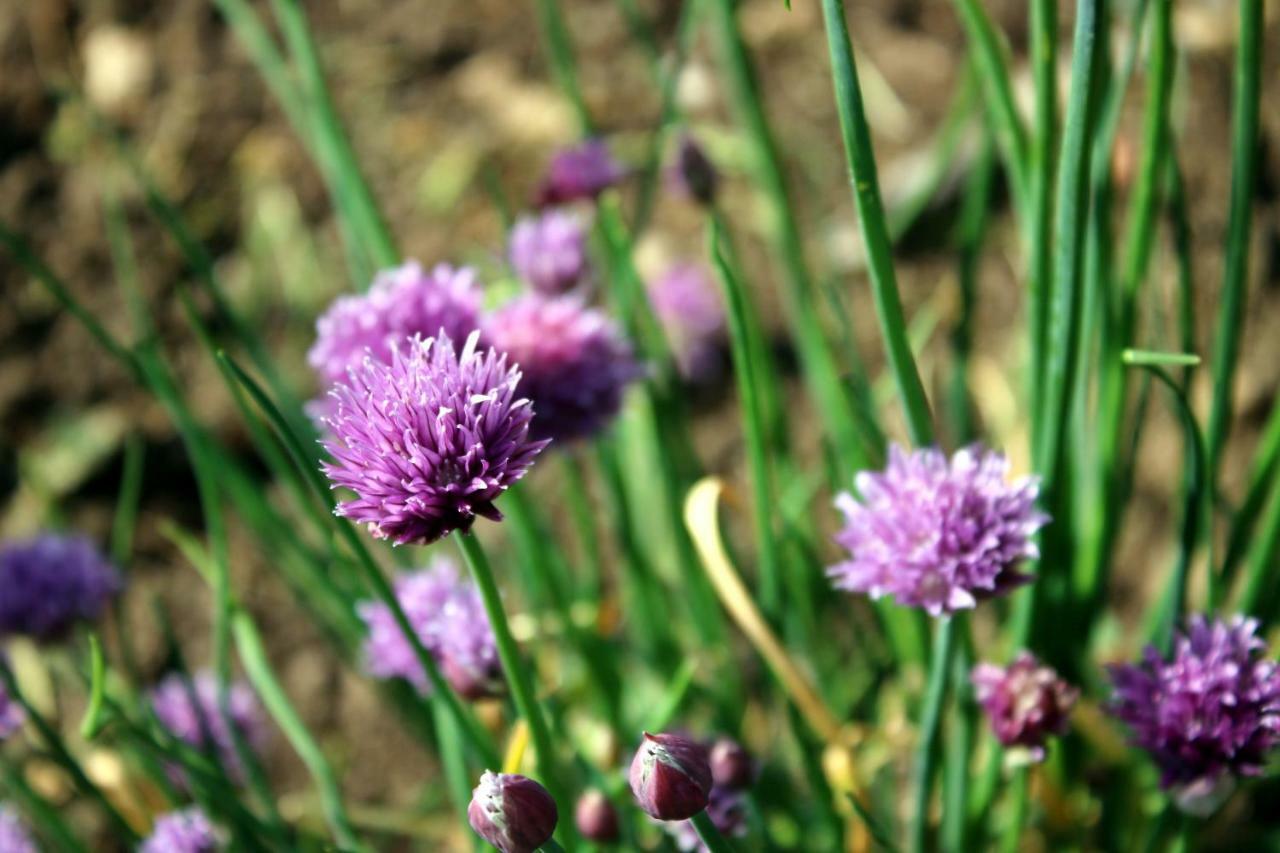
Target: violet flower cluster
428, 440
549, 251
185, 831
575, 362
579, 173
727, 809
51, 583
1207, 714
14, 837
449, 617
938, 534
189, 710
688, 306
1026, 702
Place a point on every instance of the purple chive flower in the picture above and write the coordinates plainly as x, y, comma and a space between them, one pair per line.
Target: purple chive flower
688, 306
935, 533
51, 582
728, 812
402, 302
429, 440
512, 812
185, 831
579, 172
670, 776
11, 714
1209, 714
575, 361
450, 620
1025, 701
549, 251
692, 174
199, 723
14, 837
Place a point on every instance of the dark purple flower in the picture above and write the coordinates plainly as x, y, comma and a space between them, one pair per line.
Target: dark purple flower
14, 837
199, 723
429, 440
580, 172
11, 714
731, 765
549, 251
185, 831
727, 810
688, 306
51, 582
596, 818
1209, 714
512, 812
402, 302
670, 776
692, 174
450, 620
938, 534
1025, 701
575, 362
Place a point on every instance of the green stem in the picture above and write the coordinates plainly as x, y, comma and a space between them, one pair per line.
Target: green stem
1013, 833
580, 509
1044, 41
560, 51
517, 673
711, 837
958, 751
927, 739
871, 221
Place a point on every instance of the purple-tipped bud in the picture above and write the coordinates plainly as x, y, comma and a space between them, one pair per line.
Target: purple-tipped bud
513, 813
671, 776
692, 173
550, 251
14, 837
596, 818
731, 765
186, 831
580, 172
728, 814
50, 583
1026, 702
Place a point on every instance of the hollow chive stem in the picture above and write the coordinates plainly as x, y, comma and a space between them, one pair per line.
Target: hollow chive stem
930, 719
711, 837
516, 672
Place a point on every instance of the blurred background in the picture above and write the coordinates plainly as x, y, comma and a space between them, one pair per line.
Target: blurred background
453, 113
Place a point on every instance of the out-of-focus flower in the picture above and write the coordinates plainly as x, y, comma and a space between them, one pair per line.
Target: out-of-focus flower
692, 174
549, 251
189, 711
512, 812
185, 831
14, 837
429, 440
1025, 701
1206, 716
728, 814
402, 302
575, 362
732, 766
596, 818
935, 533
11, 714
51, 582
692, 315
449, 618
579, 172
670, 776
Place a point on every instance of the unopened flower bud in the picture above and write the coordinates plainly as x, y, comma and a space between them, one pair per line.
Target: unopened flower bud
731, 765
513, 813
692, 173
596, 818
671, 776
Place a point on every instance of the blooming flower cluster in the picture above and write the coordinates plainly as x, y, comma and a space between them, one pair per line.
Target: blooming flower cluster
549, 251
692, 316
575, 362
14, 837
935, 533
52, 582
1025, 701
579, 173
1209, 713
449, 618
185, 831
428, 440
189, 711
